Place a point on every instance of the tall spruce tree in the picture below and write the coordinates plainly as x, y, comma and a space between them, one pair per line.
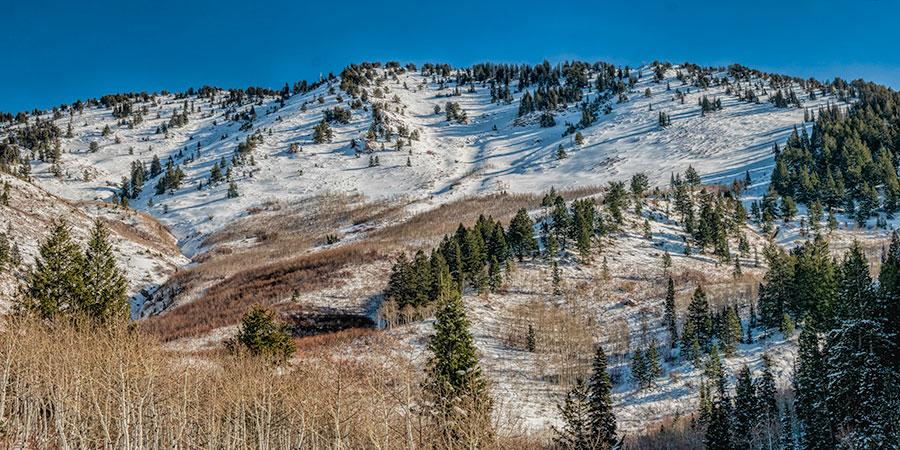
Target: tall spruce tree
104, 283
575, 433
56, 284
670, 320
745, 414
698, 316
520, 237
809, 388
602, 420
454, 383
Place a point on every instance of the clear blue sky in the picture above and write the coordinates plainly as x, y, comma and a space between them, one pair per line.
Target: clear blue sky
57, 51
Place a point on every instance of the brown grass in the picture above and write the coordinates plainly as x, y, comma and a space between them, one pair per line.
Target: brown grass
63, 387
225, 302
429, 226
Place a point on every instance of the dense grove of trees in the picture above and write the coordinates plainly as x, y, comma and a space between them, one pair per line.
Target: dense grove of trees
474, 257
848, 157
69, 282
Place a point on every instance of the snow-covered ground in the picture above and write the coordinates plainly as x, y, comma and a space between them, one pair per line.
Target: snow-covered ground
494, 151
145, 249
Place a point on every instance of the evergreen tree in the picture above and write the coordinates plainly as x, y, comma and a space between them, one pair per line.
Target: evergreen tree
575, 433
454, 382
639, 369
766, 393
104, 283
718, 431
815, 272
778, 286
669, 318
530, 339
651, 359
56, 285
809, 388
690, 345
495, 275
787, 326
262, 335
732, 333
602, 421
698, 316
787, 431
745, 414
521, 235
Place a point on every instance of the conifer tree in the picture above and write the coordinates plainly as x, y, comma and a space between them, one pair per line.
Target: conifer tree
732, 332
602, 420
815, 272
104, 283
698, 316
575, 414
745, 414
809, 388
766, 393
454, 382
521, 235
778, 286
495, 275
651, 359
690, 345
56, 284
669, 318
788, 442
262, 335
639, 368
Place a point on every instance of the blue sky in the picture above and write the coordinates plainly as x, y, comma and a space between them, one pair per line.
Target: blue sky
58, 51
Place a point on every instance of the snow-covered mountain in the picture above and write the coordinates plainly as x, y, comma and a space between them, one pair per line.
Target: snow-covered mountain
496, 150
263, 143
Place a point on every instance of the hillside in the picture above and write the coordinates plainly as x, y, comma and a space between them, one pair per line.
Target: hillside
145, 249
494, 151
304, 199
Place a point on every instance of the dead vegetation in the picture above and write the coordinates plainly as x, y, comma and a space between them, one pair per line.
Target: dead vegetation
65, 387
226, 301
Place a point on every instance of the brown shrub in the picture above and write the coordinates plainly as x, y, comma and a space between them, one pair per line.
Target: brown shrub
225, 302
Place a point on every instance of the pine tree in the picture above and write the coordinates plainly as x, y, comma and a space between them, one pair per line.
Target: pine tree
495, 275
651, 359
698, 316
56, 285
809, 388
574, 412
262, 335
690, 345
732, 332
104, 283
787, 431
815, 272
745, 414
530, 339
454, 382
556, 278
669, 318
787, 326
561, 152
232, 190
602, 420
718, 432
766, 393
778, 286
521, 235
639, 368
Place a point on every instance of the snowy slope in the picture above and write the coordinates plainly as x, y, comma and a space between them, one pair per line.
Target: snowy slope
494, 151
145, 250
